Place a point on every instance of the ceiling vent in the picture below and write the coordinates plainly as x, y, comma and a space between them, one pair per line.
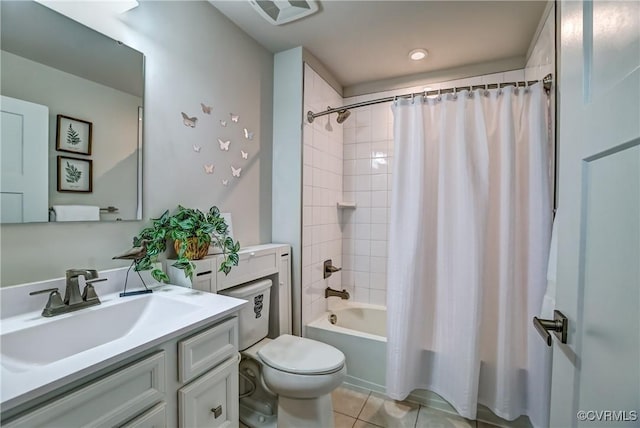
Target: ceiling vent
279, 12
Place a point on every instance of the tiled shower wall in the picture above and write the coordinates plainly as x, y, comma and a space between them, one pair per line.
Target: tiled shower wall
368, 168
360, 171
322, 190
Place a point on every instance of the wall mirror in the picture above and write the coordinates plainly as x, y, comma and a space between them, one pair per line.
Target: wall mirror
71, 126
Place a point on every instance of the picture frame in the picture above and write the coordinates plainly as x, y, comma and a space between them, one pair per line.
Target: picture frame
73, 135
75, 175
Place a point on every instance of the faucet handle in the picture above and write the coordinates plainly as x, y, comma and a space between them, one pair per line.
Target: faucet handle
46, 290
54, 302
89, 293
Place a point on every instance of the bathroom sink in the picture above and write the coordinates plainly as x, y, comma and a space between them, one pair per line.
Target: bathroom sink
53, 339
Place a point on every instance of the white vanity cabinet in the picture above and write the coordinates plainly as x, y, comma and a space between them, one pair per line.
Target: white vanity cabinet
212, 399
155, 417
109, 401
190, 381
209, 399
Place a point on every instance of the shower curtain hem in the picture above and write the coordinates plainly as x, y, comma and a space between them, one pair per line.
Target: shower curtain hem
453, 404
445, 397
502, 414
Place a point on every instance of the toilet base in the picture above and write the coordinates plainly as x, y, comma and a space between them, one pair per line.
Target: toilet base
254, 418
305, 413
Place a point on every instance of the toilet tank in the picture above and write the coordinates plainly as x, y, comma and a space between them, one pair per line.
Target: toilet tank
253, 318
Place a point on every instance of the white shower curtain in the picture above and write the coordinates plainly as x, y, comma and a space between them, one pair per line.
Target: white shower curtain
468, 248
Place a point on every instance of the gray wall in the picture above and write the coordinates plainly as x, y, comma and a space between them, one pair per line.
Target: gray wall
193, 55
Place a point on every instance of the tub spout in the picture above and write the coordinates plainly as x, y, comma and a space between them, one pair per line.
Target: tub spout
329, 292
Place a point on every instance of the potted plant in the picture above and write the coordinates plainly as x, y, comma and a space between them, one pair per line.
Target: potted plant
192, 232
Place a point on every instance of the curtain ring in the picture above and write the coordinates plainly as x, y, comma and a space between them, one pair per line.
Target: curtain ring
412, 98
439, 98
455, 93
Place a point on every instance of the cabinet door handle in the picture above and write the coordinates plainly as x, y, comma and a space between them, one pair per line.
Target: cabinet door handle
217, 411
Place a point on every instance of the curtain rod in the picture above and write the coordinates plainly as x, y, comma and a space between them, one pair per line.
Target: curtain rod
547, 82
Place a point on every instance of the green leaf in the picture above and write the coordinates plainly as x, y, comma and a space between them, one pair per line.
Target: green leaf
185, 223
73, 173
72, 136
233, 258
159, 275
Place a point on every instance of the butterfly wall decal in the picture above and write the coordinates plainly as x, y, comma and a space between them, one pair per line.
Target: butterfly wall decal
223, 123
208, 168
248, 135
224, 145
196, 148
225, 182
234, 117
205, 108
244, 154
236, 172
189, 121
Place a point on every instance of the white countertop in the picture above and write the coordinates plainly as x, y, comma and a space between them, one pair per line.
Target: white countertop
21, 383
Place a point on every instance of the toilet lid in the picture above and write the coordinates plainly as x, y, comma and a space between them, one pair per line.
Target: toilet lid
298, 355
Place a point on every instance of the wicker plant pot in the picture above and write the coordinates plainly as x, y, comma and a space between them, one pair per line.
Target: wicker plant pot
193, 250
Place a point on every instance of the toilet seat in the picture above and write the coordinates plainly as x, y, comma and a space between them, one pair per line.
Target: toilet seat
298, 355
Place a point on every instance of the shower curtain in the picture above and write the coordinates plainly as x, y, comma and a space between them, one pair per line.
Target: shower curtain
468, 247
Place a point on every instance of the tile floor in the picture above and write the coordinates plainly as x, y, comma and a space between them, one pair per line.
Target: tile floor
356, 408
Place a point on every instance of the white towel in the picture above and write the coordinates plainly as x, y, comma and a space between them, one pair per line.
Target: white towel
77, 212
549, 300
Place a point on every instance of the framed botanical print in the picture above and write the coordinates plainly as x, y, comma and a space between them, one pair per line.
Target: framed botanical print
75, 175
73, 135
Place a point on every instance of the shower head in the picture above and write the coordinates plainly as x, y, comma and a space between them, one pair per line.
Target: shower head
343, 115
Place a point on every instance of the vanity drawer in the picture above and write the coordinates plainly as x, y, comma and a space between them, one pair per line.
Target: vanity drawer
107, 402
212, 399
156, 417
207, 349
252, 265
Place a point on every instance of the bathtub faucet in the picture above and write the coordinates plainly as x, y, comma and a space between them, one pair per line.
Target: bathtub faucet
329, 292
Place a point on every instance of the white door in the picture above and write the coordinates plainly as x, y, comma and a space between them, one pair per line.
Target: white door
24, 191
596, 375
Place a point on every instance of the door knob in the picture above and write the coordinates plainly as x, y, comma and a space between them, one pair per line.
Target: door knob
558, 325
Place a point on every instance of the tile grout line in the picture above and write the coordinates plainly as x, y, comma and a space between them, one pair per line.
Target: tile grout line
363, 405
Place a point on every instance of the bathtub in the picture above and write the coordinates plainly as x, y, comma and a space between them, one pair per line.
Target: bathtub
360, 333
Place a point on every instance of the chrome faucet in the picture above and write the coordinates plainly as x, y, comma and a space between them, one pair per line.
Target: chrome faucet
73, 300
330, 292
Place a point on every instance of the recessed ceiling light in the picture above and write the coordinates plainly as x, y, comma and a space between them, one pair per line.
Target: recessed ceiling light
418, 54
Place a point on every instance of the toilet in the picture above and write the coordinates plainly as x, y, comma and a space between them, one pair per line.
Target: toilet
286, 381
